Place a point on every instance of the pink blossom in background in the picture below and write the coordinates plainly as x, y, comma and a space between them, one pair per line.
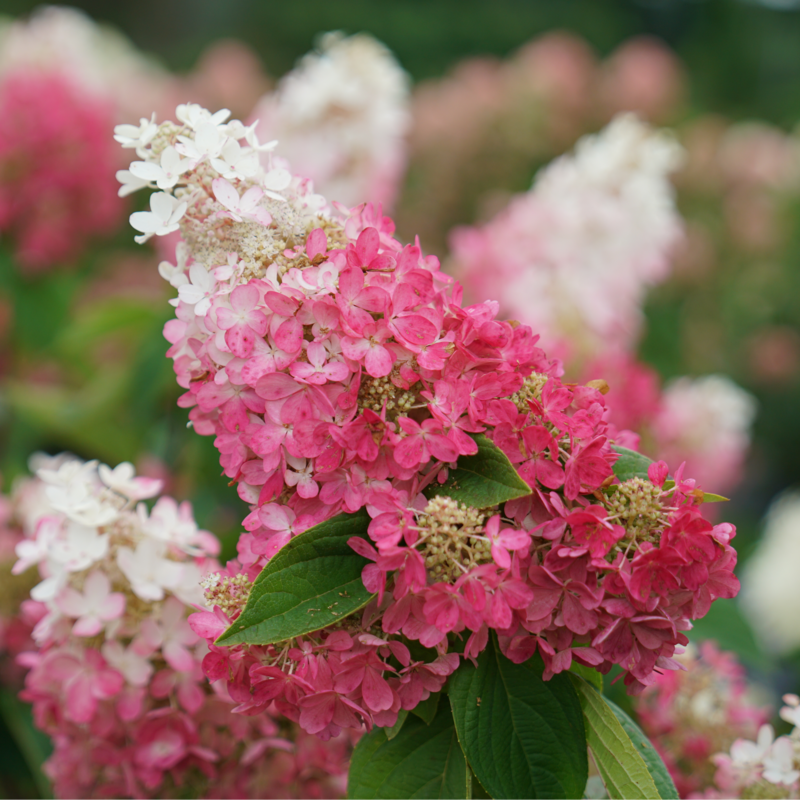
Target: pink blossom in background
573, 256
342, 116
691, 715
114, 671
766, 767
64, 83
95, 57
645, 76
55, 161
705, 422
228, 74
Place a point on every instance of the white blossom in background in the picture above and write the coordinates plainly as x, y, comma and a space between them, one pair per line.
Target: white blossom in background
574, 256
770, 593
706, 422
341, 117
90, 519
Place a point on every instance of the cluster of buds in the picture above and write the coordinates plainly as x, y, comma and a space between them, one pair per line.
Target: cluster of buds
691, 715
338, 369
115, 677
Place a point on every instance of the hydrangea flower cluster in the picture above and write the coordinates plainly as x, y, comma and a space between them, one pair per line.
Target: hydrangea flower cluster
766, 767
706, 421
116, 677
342, 116
573, 256
691, 715
338, 369
60, 94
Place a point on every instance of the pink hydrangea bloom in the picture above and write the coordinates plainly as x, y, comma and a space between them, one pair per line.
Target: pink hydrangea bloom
57, 161
367, 386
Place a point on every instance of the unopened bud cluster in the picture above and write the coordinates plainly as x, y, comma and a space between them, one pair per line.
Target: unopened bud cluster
230, 593
452, 540
531, 389
637, 505
378, 394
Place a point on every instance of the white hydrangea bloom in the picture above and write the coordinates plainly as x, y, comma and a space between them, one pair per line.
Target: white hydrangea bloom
770, 593
165, 213
341, 117
573, 256
247, 195
92, 570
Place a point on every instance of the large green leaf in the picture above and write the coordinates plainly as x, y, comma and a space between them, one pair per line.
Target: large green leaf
655, 765
522, 736
486, 479
420, 761
620, 764
630, 464
313, 581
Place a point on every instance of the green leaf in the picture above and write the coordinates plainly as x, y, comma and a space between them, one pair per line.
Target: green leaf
398, 726
630, 464
486, 479
590, 675
655, 765
710, 497
313, 581
620, 764
426, 710
422, 761
34, 745
522, 736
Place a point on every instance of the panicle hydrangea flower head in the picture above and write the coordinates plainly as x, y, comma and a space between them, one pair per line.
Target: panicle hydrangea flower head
692, 714
55, 163
115, 675
342, 116
338, 370
573, 256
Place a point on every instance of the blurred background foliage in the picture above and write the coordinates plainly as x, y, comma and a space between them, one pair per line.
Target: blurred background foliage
741, 55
